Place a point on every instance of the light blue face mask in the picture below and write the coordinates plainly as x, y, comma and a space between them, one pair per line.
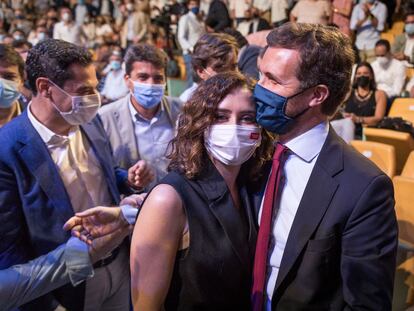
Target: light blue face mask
148, 95
409, 29
115, 65
9, 92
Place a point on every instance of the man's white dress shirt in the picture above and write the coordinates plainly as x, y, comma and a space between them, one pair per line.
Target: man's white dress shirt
303, 153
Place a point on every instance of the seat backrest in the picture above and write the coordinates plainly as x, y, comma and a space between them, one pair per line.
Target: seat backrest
404, 108
404, 198
408, 170
402, 142
389, 36
381, 154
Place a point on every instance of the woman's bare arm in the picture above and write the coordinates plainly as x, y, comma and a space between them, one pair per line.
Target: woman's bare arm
157, 233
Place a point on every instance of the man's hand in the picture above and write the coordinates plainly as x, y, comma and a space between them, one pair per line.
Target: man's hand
96, 222
140, 174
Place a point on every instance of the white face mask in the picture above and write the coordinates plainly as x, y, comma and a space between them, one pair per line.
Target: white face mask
84, 108
383, 61
66, 17
232, 144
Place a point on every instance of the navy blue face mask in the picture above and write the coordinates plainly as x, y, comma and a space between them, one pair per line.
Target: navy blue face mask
270, 109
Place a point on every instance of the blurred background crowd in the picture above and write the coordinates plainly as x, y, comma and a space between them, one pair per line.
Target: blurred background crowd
383, 33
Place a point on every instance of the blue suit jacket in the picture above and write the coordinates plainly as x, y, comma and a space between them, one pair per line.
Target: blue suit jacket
34, 203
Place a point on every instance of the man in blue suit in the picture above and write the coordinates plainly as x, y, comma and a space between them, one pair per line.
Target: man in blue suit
56, 160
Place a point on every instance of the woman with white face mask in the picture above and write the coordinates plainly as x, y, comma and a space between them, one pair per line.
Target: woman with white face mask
194, 239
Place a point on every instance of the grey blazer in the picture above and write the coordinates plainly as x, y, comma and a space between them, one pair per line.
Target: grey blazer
119, 127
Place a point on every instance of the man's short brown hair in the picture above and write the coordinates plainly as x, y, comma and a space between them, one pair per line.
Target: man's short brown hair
213, 49
326, 57
145, 53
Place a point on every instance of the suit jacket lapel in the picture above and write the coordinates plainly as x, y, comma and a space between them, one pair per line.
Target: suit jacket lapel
35, 155
126, 129
99, 144
318, 194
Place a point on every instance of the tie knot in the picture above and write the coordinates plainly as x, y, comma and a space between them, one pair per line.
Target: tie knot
280, 150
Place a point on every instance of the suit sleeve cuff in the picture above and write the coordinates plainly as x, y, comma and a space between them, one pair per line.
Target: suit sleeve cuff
78, 262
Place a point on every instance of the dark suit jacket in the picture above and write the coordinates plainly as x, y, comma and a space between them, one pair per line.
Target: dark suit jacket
247, 62
34, 202
341, 249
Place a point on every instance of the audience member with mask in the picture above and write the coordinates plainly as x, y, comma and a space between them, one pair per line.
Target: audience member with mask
11, 83
403, 46
390, 73
141, 124
114, 87
194, 238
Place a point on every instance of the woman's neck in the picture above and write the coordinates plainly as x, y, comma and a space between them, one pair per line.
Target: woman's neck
228, 172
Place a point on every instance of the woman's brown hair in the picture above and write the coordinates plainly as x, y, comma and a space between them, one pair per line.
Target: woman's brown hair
188, 154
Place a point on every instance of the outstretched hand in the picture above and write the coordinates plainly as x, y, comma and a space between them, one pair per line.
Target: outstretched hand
95, 223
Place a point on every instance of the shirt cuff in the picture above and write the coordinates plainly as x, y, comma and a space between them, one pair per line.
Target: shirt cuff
78, 262
130, 213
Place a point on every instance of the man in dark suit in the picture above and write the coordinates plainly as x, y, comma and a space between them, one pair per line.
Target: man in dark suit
333, 232
55, 160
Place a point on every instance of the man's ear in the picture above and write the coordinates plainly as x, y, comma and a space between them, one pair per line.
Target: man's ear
320, 94
42, 87
128, 82
202, 74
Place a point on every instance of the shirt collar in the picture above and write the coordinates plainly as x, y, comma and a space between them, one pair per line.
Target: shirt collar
49, 137
309, 144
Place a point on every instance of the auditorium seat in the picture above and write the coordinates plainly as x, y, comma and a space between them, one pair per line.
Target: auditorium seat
404, 108
404, 201
402, 142
381, 154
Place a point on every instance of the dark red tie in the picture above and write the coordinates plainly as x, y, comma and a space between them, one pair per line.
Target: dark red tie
260, 258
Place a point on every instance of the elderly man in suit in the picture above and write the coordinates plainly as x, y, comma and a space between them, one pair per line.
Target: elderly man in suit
141, 124
328, 231
56, 160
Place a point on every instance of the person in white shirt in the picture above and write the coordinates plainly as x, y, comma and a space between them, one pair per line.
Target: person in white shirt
38, 35
403, 46
263, 8
67, 29
190, 29
114, 87
237, 9
279, 11
390, 73
368, 20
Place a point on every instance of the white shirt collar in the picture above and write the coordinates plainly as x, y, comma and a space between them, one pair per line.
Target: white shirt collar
309, 144
48, 136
